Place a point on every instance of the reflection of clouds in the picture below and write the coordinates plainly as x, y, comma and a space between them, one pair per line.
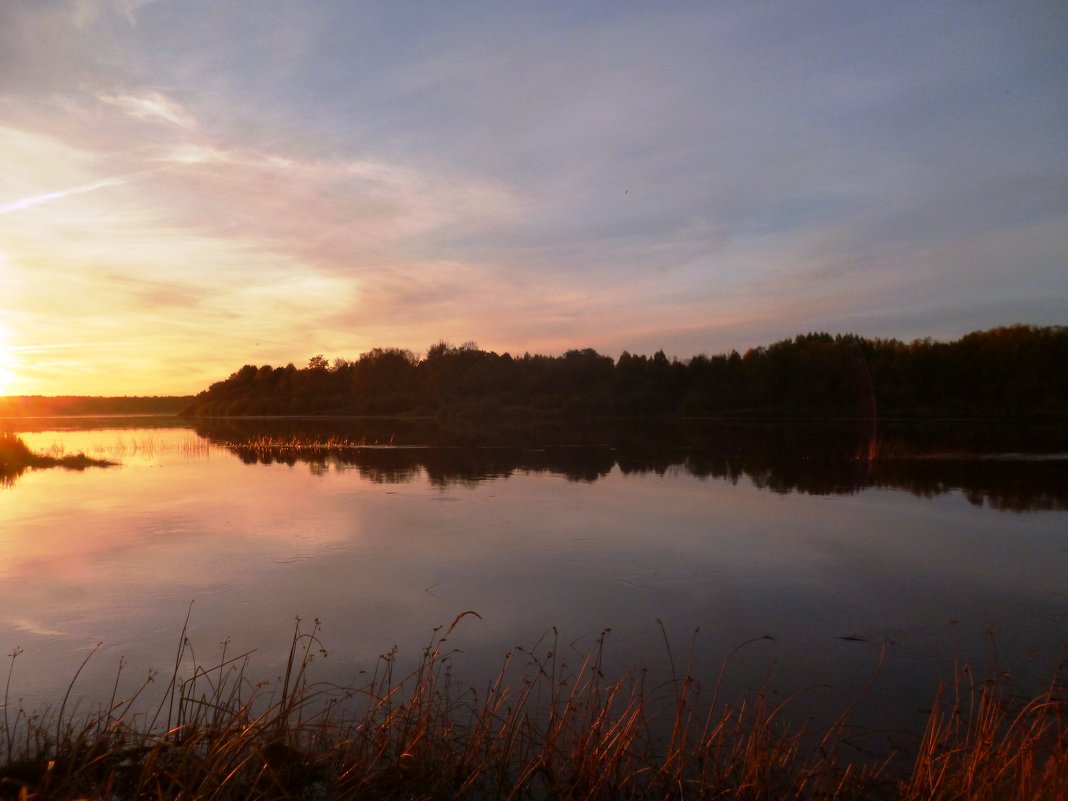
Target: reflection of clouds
33, 627
119, 556
162, 515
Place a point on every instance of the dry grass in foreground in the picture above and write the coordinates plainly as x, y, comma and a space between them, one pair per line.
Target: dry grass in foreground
543, 731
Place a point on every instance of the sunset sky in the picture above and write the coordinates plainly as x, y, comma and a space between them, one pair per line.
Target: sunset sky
187, 186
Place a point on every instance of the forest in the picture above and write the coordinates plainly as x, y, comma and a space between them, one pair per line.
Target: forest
1013, 372
80, 405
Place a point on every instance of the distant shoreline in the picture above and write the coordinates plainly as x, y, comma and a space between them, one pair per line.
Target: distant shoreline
44, 406
1001, 375
541, 415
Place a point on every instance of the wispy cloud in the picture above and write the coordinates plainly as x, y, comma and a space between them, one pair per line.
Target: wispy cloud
87, 11
152, 106
48, 197
190, 153
235, 184
129, 8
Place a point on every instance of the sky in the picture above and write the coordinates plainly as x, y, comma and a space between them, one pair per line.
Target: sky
187, 186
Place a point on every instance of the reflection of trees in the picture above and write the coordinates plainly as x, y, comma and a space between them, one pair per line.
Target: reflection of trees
818, 459
1010, 485
9, 474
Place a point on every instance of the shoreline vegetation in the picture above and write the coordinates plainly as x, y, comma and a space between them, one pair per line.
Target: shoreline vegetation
89, 406
16, 457
1006, 373
543, 728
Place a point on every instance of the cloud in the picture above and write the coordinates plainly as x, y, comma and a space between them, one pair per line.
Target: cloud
27, 202
152, 106
85, 12
129, 8
190, 153
312, 179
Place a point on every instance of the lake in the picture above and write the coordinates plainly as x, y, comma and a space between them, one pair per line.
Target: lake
840, 550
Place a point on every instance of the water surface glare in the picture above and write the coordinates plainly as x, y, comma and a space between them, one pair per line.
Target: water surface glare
384, 547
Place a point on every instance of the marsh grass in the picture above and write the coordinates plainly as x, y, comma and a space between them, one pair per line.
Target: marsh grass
148, 444
16, 457
139, 445
279, 446
981, 743
541, 729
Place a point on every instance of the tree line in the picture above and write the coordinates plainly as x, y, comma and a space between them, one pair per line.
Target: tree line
82, 405
1018, 371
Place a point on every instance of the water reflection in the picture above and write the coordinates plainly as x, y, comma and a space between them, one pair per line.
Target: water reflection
384, 529
79, 444
1006, 468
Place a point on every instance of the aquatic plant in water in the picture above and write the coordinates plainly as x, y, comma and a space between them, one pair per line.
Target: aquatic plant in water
16, 457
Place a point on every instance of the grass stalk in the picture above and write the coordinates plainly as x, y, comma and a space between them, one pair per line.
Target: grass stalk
542, 729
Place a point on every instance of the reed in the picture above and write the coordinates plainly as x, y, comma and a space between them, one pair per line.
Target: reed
982, 744
274, 445
540, 729
16, 456
147, 444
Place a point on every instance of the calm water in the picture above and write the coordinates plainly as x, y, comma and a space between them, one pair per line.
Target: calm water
386, 530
